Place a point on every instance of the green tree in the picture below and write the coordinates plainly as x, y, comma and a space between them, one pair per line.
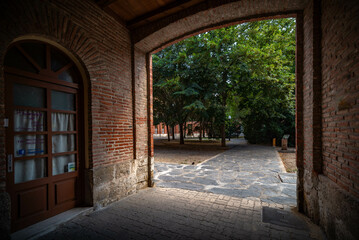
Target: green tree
246, 71
175, 95
266, 99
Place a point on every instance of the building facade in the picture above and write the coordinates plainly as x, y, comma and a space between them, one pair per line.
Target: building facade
191, 130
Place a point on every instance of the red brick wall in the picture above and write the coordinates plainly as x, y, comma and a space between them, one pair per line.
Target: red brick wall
176, 127
340, 29
330, 174
310, 115
208, 15
150, 116
141, 117
102, 45
308, 87
299, 57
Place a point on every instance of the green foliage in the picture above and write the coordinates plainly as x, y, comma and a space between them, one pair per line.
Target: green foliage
245, 71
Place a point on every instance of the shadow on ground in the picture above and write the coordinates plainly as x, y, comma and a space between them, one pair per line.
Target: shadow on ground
167, 213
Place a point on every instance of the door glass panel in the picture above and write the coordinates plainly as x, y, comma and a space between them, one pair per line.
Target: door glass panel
29, 145
63, 143
62, 101
58, 60
29, 96
27, 170
37, 51
62, 164
69, 75
15, 59
29, 121
62, 122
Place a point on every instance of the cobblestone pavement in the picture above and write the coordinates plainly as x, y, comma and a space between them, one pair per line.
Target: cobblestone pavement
245, 171
168, 213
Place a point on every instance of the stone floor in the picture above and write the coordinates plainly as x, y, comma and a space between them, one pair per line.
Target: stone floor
169, 213
241, 194
245, 171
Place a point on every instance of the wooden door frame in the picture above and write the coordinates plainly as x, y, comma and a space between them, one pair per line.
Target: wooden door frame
80, 131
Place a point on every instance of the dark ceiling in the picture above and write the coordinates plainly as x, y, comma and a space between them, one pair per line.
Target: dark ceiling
136, 13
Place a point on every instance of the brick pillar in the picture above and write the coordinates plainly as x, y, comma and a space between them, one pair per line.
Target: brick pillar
317, 87
133, 86
312, 96
299, 110
150, 119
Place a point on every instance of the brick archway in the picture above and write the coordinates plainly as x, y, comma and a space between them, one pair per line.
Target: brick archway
218, 17
207, 16
317, 176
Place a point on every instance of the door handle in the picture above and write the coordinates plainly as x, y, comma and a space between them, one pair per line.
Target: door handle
9, 163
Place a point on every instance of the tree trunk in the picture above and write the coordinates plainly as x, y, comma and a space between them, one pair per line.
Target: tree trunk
229, 133
213, 135
173, 132
224, 103
185, 129
168, 133
200, 132
223, 134
181, 134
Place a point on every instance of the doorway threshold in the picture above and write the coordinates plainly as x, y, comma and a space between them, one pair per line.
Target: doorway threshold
41, 228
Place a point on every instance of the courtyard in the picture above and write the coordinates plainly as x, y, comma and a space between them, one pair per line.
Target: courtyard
245, 170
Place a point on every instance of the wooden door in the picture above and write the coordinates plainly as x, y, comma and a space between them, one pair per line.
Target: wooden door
42, 133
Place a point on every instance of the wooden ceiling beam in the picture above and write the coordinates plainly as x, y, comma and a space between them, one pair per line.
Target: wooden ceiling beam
156, 12
105, 3
110, 12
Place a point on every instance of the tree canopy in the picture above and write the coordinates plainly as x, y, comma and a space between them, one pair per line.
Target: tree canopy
245, 71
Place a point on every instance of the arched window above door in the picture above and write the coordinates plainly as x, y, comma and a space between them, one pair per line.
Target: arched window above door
41, 58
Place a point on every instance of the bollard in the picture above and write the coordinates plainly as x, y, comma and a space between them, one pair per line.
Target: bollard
274, 142
285, 142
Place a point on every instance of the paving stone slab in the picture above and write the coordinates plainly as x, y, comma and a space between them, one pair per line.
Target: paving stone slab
204, 181
282, 218
189, 186
285, 200
173, 178
288, 177
256, 170
226, 191
250, 193
172, 213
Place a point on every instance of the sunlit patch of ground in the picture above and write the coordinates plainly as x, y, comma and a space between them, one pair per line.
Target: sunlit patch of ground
192, 152
289, 159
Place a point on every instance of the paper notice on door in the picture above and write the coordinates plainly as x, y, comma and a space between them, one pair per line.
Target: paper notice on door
71, 167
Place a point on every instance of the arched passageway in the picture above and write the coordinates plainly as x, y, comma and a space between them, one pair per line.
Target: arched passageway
212, 61
116, 56
217, 17
320, 174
